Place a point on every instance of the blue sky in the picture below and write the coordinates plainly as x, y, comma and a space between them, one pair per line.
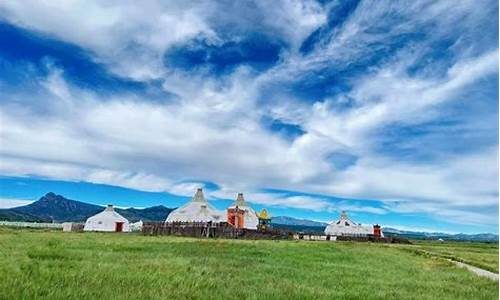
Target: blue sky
386, 109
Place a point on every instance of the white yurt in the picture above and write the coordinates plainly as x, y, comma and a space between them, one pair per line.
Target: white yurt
197, 210
107, 220
250, 217
346, 227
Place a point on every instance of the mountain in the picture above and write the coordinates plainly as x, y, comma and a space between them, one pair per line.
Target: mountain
300, 225
56, 208
52, 207
12, 215
479, 237
283, 220
154, 213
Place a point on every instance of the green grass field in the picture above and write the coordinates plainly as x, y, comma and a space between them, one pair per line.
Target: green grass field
482, 255
37, 264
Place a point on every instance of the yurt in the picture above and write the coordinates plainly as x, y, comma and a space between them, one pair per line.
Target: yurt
346, 227
250, 220
196, 210
107, 220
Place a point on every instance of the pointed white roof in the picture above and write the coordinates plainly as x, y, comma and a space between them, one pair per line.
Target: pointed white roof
345, 226
197, 210
251, 220
106, 221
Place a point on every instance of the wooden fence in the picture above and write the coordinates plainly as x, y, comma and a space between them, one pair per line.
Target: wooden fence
209, 230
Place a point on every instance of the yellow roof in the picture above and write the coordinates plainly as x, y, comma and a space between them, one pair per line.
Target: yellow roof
263, 214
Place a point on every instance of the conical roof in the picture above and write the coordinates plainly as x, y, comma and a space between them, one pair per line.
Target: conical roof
240, 201
198, 196
196, 210
344, 220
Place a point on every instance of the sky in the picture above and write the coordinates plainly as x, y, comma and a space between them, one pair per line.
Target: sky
385, 109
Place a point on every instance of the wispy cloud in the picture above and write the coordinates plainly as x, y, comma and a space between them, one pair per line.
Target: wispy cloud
9, 203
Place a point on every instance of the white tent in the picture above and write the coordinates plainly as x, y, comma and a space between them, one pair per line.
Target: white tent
137, 226
107, 220
345, 226
197, 210
251, 221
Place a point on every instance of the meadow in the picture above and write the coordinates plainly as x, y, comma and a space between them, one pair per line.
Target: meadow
482, 255
39, 264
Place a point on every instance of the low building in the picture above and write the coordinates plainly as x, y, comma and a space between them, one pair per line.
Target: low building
241, 215
197, 210
137, 226
72, 227
346, 227
108, 220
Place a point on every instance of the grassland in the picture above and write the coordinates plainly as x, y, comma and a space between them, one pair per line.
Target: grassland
54, 265
482, 255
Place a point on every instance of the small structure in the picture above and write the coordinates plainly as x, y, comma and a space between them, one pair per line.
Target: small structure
346, 227
241, 215
108, 220
72, 227
137, 226
197, 210
264, 220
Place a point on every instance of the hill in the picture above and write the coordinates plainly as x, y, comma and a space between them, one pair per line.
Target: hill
154, 213
56, 208
479, 237
284, 220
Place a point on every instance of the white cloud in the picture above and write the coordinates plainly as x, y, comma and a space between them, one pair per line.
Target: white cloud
185, 188
9, 203
130, 40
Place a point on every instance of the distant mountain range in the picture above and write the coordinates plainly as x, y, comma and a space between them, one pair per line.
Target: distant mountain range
56, 208
479, 237
284, 220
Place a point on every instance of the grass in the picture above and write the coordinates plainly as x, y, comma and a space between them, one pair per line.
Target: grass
37, 264
482, 255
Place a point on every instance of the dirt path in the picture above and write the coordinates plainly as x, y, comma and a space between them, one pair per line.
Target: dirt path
478, 271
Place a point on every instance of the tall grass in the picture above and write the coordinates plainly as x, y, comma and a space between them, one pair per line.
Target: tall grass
56, 265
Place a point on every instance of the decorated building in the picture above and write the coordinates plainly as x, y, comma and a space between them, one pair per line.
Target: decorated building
197, 210
241, 215
346, 227
264, 220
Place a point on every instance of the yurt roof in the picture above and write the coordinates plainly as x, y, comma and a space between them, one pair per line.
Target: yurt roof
346, 226
240, 202
197, 210
344, 220
108, 213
